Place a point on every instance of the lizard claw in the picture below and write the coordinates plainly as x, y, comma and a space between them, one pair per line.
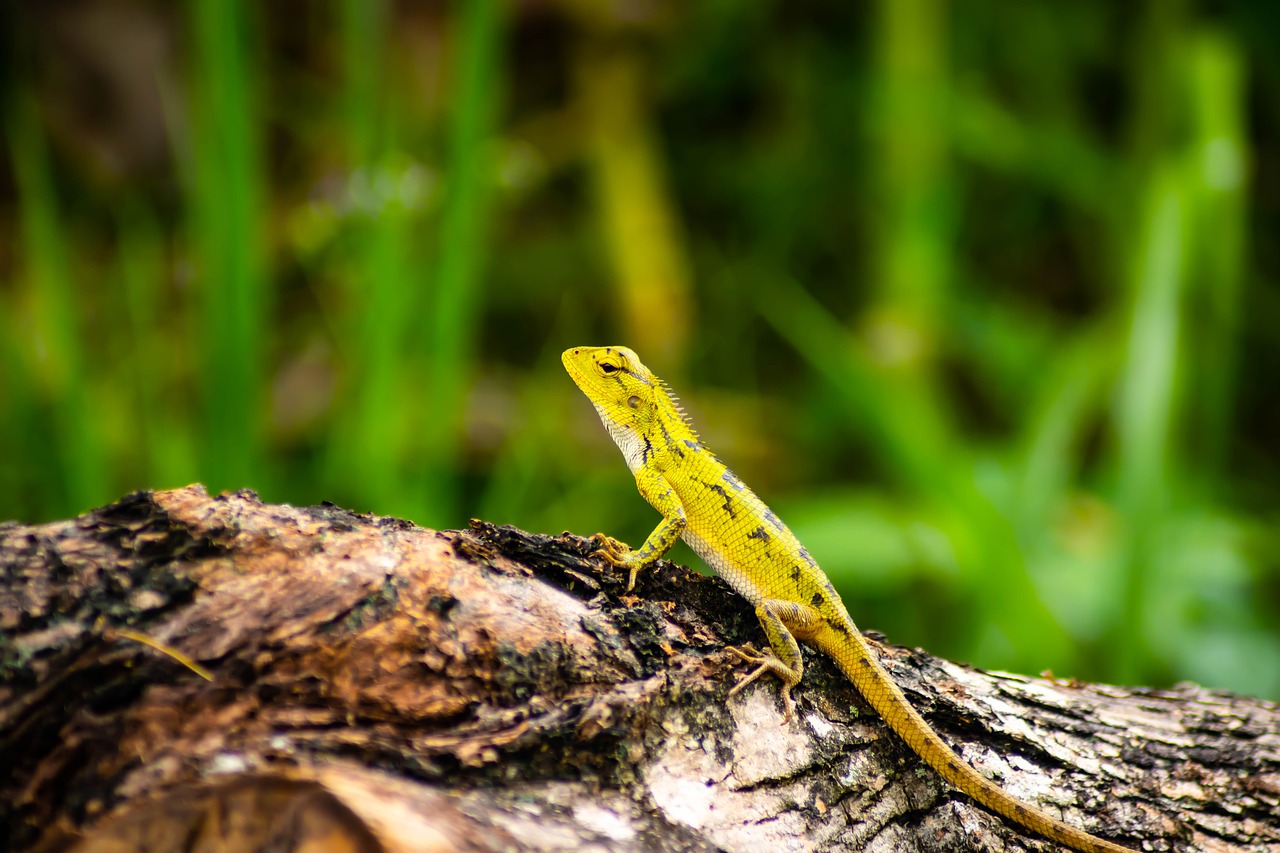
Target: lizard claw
609, 549
766, 663
746, 653
619, 555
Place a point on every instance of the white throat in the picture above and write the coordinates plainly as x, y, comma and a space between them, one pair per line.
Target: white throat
627, 439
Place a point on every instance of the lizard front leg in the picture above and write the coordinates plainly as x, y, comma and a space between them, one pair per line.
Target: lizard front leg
782, 621
658, 492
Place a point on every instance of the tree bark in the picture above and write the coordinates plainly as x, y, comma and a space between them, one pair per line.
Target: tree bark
378, 686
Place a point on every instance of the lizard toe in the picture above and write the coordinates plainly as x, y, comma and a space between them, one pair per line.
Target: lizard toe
746, 654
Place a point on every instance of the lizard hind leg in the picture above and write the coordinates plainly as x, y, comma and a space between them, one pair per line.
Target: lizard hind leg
781, 621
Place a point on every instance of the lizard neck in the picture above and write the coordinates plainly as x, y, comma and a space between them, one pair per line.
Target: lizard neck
661, 441
669, 434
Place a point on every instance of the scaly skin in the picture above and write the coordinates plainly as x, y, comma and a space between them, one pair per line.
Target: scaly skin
732, 530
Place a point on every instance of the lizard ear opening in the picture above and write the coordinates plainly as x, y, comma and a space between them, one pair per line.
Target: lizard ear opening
633, 401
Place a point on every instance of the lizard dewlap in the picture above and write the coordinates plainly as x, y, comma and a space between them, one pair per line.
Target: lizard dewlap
706, 505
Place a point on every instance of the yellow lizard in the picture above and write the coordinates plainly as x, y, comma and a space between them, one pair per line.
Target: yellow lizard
734, 532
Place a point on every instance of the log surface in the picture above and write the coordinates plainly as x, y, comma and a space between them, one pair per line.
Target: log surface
379, 686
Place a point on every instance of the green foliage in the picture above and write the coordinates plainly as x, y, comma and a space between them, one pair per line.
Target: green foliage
980, 298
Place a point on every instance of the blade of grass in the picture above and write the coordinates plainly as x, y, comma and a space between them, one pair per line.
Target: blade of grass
228, 231
913, 184
1145, 407
367, 447
633, 200
374, 458
456, 295
1219, 148
57, 352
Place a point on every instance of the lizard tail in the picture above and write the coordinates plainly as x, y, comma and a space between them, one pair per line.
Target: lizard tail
856, 660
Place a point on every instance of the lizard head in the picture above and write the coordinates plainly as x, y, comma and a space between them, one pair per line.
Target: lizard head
625, 393
615, 380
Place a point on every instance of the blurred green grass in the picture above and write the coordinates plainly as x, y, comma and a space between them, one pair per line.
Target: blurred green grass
982, 301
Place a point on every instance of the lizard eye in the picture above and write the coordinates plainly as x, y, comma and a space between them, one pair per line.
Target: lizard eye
633, 401
608, 369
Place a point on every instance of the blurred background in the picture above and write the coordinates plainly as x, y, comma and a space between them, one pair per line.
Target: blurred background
982, 298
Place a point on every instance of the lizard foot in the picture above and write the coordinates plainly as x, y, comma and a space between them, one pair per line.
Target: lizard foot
620, 556
766, 664
609, 549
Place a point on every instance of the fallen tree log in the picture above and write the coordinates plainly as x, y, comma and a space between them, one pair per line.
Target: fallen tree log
179, 670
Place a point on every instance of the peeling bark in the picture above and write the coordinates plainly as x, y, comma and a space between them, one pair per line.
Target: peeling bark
378, 686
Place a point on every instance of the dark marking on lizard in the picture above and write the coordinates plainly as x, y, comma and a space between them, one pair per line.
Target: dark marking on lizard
761, 534
668, 441
633, 375
728, 504
773, 519
731, 480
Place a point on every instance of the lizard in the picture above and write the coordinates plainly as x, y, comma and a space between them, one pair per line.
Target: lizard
737, 535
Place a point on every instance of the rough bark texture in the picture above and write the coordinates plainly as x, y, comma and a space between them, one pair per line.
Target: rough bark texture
377, 686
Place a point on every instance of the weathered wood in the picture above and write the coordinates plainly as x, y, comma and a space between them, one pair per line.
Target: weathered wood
376, 685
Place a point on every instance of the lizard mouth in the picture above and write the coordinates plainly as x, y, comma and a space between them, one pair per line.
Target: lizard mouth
573, 365
570, 365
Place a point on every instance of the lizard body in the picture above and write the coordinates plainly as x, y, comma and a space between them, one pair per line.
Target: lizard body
736, 534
